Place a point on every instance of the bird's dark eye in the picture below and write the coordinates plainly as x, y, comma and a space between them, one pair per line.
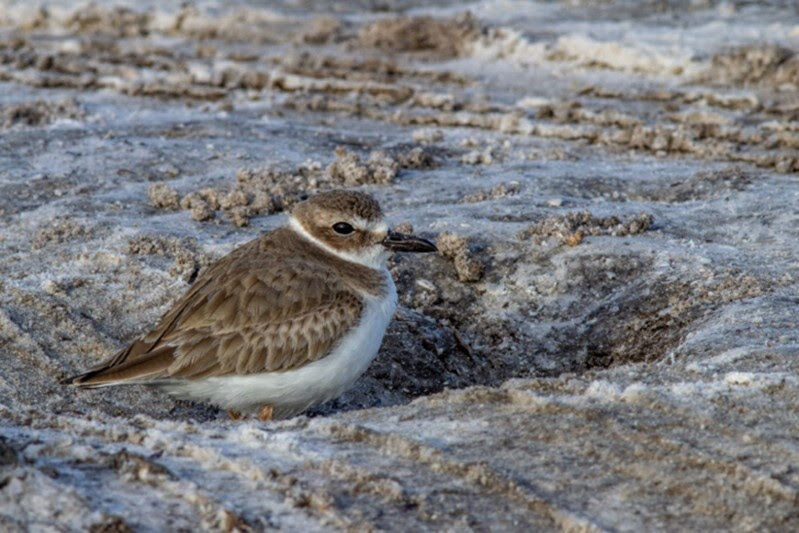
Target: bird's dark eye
343, 228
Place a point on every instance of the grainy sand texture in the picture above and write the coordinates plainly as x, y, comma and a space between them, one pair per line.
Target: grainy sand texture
608, 340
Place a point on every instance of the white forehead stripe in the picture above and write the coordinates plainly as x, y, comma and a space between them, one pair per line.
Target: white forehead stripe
373, 257
372, 226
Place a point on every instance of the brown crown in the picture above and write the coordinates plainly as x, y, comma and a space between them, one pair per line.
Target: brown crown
349, 202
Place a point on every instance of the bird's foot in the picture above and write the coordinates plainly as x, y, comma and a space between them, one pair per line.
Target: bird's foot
266, 413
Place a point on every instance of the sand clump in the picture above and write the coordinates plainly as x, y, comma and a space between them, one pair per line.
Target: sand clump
321, 30
188, 258
201, 204
455, 248
572, 228
40, 112
117, 21
163, 196
478, 157
427, 136
498, 191
349, 170
754, 64
416, 158
258, 191
59, 231
436, 38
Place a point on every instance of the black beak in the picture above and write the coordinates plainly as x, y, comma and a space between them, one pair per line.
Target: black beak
399, 242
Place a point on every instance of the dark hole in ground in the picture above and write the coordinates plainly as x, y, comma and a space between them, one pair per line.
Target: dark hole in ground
566, 310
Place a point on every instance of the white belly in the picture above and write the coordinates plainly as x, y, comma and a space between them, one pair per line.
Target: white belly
293, 391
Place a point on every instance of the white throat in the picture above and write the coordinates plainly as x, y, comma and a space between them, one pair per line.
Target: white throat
373, 257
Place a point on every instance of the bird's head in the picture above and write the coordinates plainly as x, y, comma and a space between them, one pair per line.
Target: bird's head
350, 225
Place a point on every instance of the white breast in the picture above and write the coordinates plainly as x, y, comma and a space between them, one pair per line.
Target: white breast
293, 391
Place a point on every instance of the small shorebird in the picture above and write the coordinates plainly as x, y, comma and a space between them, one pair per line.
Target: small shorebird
286, 321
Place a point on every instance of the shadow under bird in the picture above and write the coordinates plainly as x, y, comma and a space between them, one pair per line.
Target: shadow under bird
284, 322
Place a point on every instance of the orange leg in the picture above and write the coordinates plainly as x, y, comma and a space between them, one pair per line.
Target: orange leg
234, 415
266, 413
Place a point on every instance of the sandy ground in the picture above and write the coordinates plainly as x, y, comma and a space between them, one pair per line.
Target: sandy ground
608, 341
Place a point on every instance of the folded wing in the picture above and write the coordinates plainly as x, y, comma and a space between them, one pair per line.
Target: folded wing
247, 314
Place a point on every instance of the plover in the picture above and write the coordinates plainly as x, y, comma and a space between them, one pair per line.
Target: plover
284, 322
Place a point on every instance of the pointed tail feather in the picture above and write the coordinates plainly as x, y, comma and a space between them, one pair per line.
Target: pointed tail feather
145, 368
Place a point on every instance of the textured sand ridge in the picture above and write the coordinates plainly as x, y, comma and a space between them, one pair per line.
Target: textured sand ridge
607, 341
